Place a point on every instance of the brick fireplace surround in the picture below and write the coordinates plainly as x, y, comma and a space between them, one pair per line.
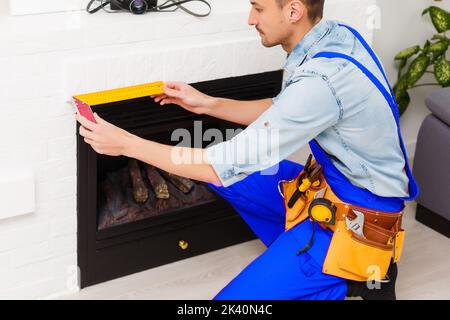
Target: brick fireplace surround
46, 58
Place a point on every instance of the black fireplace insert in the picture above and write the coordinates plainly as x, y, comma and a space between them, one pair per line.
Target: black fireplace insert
132, 216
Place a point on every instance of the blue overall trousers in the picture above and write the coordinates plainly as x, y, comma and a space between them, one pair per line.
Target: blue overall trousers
279, 273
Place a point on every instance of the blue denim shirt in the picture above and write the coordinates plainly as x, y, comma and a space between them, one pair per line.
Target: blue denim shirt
329, 100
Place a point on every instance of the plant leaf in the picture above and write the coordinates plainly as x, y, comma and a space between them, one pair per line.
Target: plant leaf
439, 48
403, 102
426, 47
442, 72
438, 37
400, 68
407, 53
401, 95
439, 17
417, 69
426, 11
400, 86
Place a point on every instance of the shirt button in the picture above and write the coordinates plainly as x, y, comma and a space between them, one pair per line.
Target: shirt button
266, 124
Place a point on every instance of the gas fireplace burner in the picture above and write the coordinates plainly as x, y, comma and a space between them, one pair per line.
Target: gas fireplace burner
139, 191
133, 216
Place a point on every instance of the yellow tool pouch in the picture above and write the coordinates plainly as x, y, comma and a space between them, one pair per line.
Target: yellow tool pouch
351, 256
299, 212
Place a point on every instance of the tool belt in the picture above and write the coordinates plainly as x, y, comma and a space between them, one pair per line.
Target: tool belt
364, 241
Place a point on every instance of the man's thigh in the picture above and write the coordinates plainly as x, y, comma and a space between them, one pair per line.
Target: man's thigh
279, 273
258, 200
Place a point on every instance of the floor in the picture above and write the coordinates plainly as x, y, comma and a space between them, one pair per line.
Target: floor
423, 271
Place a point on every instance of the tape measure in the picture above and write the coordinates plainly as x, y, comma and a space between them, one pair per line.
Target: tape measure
121, 94
323, 211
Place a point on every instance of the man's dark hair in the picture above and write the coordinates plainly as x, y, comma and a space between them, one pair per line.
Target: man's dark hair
315, 8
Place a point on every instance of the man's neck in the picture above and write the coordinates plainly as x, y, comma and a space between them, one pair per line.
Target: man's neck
292, 42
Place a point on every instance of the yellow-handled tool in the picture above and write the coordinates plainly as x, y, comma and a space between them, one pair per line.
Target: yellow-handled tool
311, 179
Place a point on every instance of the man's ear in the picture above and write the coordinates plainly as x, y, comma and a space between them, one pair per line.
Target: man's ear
296, 10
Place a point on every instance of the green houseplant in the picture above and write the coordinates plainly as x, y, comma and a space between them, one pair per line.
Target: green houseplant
430, 58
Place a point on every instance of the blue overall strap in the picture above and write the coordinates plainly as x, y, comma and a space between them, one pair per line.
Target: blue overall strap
338, 181
371, 52
413, 187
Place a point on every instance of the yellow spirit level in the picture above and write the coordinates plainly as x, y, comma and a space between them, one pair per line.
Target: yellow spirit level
121, 94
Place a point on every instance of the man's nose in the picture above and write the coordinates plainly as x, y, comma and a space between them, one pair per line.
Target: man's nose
251, 19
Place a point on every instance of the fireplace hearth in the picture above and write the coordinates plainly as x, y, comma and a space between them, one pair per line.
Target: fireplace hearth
132, 216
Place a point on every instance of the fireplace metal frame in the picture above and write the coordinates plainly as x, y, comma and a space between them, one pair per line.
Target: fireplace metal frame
122, 250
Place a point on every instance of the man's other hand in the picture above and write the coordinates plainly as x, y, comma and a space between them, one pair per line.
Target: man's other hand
185, 96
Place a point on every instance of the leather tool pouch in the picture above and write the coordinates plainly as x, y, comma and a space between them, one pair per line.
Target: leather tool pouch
357, 258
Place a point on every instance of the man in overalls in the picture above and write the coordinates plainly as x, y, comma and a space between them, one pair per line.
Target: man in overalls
335, 96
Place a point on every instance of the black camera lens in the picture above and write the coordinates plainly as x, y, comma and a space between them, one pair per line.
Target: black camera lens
138, 6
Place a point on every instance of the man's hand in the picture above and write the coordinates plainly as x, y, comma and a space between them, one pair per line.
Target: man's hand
104, 137
185, 96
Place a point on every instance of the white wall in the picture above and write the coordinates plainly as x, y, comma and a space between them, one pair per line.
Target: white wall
4, 8
402, 26
20, 7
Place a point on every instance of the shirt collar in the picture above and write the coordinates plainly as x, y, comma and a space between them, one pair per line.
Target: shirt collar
301, 50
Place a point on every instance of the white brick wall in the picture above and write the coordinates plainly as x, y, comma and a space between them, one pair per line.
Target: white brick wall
20, 7
50, 57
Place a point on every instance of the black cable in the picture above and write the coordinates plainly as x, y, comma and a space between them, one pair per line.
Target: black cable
311, 240
178, 4
102, 4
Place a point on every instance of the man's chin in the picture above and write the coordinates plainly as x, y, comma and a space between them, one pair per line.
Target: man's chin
267, 44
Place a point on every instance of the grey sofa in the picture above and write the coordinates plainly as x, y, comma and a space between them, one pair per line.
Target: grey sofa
432, 164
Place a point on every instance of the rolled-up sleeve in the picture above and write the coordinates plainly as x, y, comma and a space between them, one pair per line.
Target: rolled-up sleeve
304, 109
